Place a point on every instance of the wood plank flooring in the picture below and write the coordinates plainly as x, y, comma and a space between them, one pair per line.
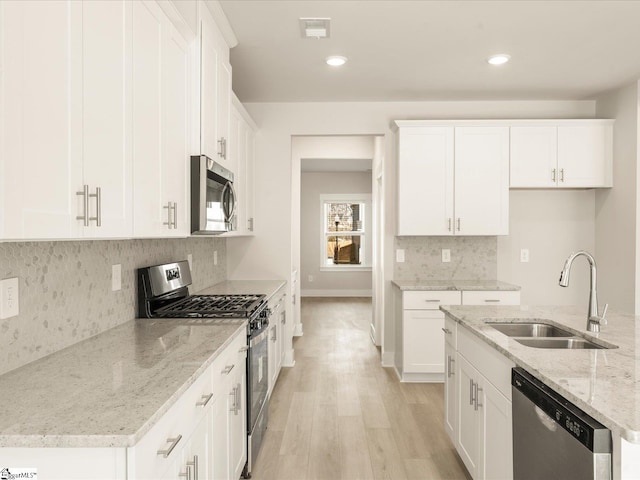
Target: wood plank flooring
339, 415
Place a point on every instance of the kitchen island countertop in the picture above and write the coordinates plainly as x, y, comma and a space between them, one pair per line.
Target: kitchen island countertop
605, 383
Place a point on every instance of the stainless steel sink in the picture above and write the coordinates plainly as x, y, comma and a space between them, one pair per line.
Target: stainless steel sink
565, 343
530, 330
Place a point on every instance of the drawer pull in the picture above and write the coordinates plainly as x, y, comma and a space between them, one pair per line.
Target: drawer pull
492, 300
432, 300
447, 331
228, 369
204, 399
174, 442
243, 349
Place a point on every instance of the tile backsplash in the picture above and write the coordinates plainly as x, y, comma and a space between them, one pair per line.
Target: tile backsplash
472, 258
65, 288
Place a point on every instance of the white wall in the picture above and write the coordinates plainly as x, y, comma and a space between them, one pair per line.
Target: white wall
551, 224
314, 184
269, 253
616, 209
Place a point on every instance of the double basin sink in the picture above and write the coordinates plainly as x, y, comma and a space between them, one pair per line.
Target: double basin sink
543, 335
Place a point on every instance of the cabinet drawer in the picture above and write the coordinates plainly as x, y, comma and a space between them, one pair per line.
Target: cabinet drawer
233, 359
501, 297
429, 300
450, 331
489, 362
173, 429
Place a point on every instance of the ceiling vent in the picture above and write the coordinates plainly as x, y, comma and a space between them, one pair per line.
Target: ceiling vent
315, 28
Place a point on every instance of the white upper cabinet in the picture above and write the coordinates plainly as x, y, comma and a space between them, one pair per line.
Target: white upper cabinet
66, 159
160, 124
562, 153
482, 180
215, 92
41, 98
453, 179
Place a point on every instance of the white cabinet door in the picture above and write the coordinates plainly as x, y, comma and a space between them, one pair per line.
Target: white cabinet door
534, 156
496, 438
238, 419
208, 88
425, 181
196, 455
220, 435
468, 419
584, 155
147, 120
423, 341
40, 118
176, 127
273, 349
482, 180
250, 179
107, 113
224, 112
450, 397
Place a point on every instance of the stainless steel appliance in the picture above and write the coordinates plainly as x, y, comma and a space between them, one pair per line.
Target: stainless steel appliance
163, 293
552, 438
213, 199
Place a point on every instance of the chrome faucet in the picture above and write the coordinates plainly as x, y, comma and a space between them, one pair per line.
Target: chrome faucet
594, 319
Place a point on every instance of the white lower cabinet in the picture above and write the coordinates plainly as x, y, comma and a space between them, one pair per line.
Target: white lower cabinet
277, 322
450, 377
482, 428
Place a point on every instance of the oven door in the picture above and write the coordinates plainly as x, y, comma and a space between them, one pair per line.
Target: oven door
257, 375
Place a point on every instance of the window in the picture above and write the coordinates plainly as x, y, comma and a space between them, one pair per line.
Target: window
344, 231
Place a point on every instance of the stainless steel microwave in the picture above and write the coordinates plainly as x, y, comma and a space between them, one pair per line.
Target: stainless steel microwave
213, 199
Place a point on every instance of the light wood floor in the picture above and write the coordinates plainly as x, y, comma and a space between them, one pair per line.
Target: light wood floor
339, 415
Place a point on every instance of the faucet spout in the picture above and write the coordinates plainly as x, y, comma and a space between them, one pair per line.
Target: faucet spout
593, 318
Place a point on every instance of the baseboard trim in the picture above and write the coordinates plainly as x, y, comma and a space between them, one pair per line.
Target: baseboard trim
388, 359
422, 377
336, 293
297, 330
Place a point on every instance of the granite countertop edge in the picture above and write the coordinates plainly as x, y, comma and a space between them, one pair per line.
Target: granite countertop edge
476, 328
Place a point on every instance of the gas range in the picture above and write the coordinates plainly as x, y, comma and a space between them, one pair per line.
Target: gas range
163, 293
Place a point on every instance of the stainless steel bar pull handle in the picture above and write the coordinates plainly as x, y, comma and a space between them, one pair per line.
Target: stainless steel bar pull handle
458, 223
450, 364
432, 300
175, 215
194, 464
228, 369
449, 223
447, 331
238, 399
553, 175
98, 197
477, 403
283, 318
562, 174
174, 441
204, 399
234, 397
168, 222
250, 221
470, 392
492, 300
244, 348
85, 205
220, 147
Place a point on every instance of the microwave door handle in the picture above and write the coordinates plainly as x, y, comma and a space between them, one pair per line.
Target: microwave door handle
232, 199
224, 201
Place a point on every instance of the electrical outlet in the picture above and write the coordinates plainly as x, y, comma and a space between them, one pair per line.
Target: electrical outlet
190, 260
116, 277
215, 257
310, 278
9, 298
400, 255
446, 255
524, 255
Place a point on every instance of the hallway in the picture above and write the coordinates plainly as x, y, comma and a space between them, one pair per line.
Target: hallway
339, 414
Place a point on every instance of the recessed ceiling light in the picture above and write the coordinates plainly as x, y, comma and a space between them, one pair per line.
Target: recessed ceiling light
336, 60
499, 59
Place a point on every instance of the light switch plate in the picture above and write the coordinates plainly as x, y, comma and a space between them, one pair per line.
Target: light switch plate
310, 278
524, 255
446, 255
400, 255
116, 277
9, 298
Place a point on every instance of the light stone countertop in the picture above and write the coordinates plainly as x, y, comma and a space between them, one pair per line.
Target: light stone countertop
604, 383
439, 285
109, 390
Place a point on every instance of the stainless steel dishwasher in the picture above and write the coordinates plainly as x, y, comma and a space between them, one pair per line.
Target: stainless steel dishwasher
552, 438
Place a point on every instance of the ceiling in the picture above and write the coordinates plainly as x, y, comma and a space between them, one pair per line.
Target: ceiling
434, 50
